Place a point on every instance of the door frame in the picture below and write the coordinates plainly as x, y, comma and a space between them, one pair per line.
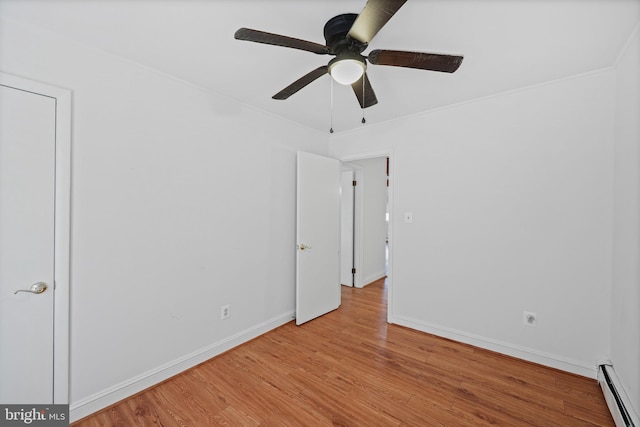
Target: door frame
357, 222
62, 226
347, 262
358, 245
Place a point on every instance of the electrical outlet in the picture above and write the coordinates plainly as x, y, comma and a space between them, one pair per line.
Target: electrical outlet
529, 318
225, 312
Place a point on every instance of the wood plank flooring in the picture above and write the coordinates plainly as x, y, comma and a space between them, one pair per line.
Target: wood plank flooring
350, 368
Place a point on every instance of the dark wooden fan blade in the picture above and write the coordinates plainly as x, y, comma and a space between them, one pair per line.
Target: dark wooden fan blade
422, 61
375, 14
368, 98
301, 82
278, 40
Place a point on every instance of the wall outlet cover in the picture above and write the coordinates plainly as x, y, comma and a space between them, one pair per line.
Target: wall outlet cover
225, 312
529, 318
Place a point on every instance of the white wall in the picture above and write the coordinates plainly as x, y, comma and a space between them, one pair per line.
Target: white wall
625, 308
182, 201
511, 200
372, 184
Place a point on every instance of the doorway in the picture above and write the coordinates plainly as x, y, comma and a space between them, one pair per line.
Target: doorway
372, 219
35, 151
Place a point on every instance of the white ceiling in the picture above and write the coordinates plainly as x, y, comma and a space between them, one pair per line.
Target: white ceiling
506, 44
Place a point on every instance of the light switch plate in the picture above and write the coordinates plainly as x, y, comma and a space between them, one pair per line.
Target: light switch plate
408, 217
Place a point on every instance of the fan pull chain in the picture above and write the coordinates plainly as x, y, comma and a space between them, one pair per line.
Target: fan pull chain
363, 99
331, 129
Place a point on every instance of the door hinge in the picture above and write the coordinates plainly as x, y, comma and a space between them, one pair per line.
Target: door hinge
353, 271
355, 183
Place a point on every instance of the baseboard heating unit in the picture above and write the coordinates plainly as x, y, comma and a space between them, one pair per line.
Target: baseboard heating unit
615, 397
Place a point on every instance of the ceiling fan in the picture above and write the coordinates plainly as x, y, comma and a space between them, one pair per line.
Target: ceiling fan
347, 36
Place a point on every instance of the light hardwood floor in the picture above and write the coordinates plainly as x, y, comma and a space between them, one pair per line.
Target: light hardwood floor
350, 368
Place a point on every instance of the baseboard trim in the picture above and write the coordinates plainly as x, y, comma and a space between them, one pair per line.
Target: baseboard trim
371, 278
618, 402
118, 392
530, 355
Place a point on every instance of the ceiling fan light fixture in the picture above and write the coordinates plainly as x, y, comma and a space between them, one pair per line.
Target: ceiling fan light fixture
346, 71
348, 35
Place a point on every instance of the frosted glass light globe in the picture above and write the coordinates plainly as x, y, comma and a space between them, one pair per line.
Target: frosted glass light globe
346, 71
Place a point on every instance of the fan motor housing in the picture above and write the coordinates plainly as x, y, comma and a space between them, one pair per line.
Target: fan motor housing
335, 34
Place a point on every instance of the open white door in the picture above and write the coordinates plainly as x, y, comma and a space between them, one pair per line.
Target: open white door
317, 236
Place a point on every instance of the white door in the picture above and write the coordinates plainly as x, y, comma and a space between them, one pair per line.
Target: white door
346, 228
317, 236
27, 206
